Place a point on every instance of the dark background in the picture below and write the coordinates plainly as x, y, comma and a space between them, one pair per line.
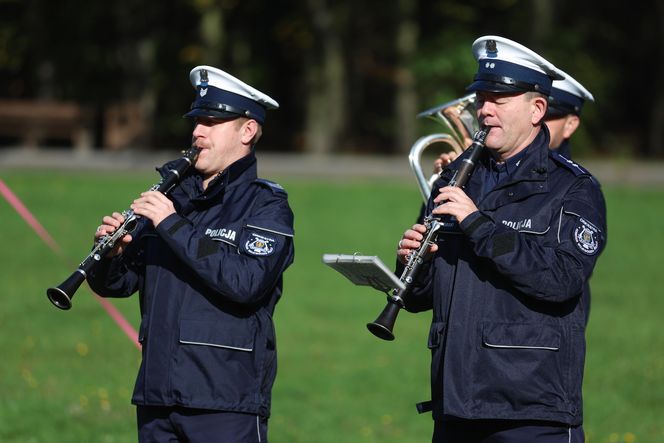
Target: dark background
350, 76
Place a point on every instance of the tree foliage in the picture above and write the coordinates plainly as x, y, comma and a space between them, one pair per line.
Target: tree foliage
349, 75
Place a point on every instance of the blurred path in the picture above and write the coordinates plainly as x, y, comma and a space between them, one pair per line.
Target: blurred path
295, 165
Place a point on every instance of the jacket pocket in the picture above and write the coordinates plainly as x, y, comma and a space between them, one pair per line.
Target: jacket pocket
142, 331
215, 365
436, 345
521, 336
435, 334
210, 333
521, 366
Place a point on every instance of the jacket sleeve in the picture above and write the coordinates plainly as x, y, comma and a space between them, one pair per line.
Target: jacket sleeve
554, 271
247, 271
421, 296
118, 276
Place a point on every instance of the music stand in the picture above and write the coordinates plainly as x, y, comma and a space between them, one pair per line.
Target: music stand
364, 270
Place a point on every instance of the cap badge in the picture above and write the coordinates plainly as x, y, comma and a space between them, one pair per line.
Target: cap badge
204, 82
204, 76
491, 48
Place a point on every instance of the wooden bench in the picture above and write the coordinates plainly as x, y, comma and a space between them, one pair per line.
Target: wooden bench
34, 121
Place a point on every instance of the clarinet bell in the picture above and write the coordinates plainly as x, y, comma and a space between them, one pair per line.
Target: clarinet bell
62, 295
383, 325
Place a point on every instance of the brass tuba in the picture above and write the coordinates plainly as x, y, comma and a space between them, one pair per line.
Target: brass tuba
460, 118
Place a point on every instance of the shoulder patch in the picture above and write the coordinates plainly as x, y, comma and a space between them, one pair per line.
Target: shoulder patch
586, 237
276, 188
575, 168
259, 244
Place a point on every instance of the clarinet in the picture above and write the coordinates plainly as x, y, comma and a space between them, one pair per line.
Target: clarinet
61, 295
383, 326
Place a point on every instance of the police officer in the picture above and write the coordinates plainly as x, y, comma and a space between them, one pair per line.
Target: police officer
506, 280
209, 274
563, 115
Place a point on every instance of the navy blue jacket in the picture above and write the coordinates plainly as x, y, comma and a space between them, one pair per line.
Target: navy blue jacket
208, 278
508, 292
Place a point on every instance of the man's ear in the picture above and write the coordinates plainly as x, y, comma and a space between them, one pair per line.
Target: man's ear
248, 131
571, 124
539, 106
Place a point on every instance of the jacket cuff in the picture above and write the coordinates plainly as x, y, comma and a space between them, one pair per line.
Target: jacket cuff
171, 224
473, 222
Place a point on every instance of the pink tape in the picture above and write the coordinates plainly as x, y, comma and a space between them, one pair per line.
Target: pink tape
111, 310
13, 200
127, 328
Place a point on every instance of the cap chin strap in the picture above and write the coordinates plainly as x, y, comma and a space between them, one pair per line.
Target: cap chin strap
214, 106
509, 81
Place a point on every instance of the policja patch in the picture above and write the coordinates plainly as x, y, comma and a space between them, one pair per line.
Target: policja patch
586, 237
259, 244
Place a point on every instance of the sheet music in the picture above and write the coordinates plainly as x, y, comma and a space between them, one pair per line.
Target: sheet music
364, 270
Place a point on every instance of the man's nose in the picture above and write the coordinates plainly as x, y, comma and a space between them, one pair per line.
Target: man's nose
485, 108
198, 130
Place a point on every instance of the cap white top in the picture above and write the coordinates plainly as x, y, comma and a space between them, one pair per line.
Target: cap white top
513, 52
572, 86
224, 81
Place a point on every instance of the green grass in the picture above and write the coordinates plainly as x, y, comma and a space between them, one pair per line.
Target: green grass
68, 376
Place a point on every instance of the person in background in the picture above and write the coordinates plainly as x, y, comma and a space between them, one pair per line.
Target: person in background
563, 115
208, 270
506, 277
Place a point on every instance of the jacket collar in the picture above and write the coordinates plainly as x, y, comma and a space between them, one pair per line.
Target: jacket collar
532, 165
242, 171
529, 177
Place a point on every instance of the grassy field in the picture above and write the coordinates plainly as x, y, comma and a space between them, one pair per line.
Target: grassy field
68, 376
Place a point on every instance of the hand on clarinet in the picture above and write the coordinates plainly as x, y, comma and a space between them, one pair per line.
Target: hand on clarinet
411, 241
453, 201
154, 206
108, 225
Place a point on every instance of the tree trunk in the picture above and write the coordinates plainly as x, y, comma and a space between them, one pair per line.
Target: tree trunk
406, 95
326, 82
542, 22
213, 33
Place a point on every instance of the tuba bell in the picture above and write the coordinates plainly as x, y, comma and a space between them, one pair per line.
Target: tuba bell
460, 119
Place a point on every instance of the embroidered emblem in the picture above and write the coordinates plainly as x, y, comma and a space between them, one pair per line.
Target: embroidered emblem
203, 92
259, 244
586, 237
